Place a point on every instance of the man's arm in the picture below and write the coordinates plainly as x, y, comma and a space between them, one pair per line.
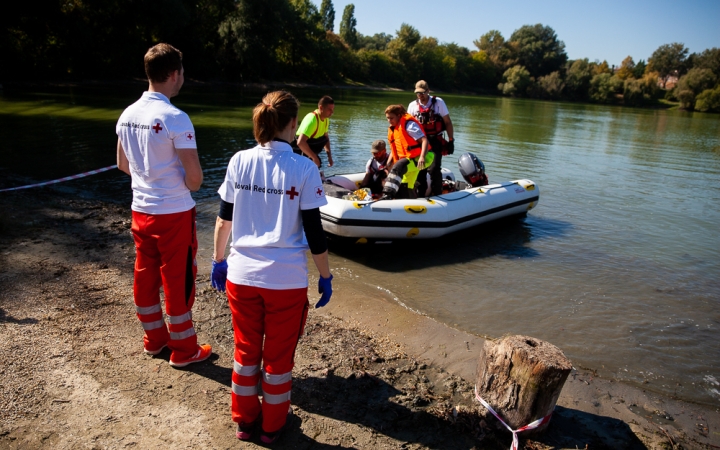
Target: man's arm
303, 145
449, 127
191, 163
122, 161
328, 151
424, 149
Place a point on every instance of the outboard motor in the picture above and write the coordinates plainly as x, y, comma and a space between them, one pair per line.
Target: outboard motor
472, 169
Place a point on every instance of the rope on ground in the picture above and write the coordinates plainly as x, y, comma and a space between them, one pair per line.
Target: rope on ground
60, 180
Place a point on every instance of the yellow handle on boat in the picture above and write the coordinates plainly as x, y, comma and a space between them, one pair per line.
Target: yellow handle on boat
415, 209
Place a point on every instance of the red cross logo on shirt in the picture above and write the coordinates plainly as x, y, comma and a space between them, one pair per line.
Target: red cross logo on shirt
189, 137
318, 193
157, 128
292, 193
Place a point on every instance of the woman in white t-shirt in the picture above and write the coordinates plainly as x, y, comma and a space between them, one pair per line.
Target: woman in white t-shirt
270, 202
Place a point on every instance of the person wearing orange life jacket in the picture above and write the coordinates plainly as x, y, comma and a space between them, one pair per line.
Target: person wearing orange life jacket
312, 135
433, 115
409, 153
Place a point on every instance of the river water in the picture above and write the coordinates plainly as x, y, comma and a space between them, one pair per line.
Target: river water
618, 265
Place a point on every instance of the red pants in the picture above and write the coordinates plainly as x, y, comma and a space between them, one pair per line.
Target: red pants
165, 247
278, 316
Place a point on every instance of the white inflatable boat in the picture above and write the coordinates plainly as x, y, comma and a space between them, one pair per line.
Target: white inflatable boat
421, 218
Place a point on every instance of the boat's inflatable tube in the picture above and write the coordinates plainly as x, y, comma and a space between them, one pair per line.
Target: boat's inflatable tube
424, 217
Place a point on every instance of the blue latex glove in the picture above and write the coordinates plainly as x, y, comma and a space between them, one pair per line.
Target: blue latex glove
218, 275
324, 288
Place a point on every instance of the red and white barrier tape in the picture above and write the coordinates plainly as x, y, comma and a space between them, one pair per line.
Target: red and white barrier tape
72, 177
529, 426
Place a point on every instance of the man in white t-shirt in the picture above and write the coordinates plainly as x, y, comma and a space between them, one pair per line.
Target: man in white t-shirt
433, 115
156, 147
377, 167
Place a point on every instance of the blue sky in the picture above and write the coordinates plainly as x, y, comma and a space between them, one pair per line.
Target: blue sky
600, 30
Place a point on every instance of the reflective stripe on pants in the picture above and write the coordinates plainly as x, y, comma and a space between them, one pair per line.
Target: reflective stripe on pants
165, 247
278, 317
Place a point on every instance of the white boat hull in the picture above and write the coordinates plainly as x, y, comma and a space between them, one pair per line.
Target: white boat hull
425, 218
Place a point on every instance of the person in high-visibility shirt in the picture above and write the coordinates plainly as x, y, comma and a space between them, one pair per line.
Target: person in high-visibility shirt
313, 135
409, 153
270, 202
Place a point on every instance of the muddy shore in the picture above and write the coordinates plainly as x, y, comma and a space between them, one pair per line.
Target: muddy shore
369, 373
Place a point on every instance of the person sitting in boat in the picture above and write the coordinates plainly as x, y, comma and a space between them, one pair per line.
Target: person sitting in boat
410, 155
376, 169
472, 170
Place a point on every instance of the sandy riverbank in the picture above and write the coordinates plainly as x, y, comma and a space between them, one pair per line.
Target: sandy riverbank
369, 373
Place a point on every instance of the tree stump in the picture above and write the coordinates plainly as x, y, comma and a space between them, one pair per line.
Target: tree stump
521, 377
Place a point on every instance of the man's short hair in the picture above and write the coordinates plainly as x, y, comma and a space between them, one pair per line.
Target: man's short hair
161, 61
377, 146
325, 100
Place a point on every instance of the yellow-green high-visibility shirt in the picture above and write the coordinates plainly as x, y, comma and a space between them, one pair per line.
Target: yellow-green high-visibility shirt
312, 127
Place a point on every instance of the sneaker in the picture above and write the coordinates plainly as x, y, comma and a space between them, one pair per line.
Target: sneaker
203, 353
245, 430
154, 352
269, 438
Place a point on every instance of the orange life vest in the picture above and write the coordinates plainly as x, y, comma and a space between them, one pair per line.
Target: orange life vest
402, 144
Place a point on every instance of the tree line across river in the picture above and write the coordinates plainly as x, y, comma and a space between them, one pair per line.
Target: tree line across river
294, 41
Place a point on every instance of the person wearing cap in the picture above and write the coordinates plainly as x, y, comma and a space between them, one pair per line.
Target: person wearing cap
376, 169
433, 115
312, 135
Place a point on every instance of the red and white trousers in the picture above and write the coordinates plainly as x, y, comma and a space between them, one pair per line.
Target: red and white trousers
268, 324
166, 245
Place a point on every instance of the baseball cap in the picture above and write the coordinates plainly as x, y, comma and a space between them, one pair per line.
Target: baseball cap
421, 86
377, 146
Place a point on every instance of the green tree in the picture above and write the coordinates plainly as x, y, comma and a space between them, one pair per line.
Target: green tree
708, 59
668, 59
577, 79
538, 49
483, 72
327, 12
249, 46
378, 41
378, 66
708, 100
402, 49
347, 26
639, 69
627, 69
605, 87
603, 67
494, 45
549, 87
516, 81
642, 91
691, 84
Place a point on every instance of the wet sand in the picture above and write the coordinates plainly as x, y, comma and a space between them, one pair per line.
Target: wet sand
369, 373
